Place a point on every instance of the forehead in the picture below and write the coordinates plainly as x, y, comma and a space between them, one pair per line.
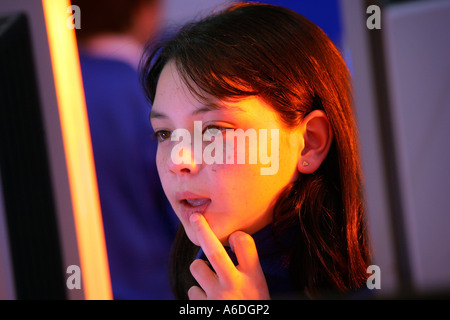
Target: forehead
172, 94
169, 84
173, 99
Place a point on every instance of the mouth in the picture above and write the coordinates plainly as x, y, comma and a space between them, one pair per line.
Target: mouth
190, 204
196, 202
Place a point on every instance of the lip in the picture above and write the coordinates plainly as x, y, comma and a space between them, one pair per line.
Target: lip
198, 204
187, 195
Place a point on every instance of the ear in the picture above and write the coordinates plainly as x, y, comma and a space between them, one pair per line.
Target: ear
317, 137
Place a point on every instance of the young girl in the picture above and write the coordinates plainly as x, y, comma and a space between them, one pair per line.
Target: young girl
297, 232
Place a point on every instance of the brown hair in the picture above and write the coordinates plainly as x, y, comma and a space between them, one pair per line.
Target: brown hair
282, 57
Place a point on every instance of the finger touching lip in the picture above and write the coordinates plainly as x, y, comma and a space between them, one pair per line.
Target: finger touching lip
189, 206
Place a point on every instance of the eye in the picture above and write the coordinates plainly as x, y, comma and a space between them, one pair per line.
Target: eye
162, 135
213, 130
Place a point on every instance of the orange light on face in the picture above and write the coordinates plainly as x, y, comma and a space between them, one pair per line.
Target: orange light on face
78, 151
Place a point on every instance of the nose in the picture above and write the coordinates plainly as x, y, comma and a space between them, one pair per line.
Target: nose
182, 161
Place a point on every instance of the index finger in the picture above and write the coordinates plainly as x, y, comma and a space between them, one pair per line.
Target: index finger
212, 247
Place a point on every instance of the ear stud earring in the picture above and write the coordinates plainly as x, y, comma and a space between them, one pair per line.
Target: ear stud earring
305, 163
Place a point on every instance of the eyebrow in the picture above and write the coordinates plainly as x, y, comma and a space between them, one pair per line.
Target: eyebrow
157, 115
205, 108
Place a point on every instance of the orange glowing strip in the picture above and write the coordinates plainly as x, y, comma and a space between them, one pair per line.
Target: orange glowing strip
78, 151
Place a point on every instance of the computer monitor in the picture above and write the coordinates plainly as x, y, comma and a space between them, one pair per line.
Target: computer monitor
401, 75
51, 233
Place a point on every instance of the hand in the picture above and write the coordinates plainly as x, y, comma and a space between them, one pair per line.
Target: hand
244, 281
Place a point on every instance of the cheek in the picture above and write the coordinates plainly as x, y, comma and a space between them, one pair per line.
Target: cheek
242, 176
163, 154
247, 195
239, 189
162, 168
159, 160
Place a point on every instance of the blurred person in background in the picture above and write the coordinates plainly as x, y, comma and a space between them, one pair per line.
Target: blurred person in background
138, 222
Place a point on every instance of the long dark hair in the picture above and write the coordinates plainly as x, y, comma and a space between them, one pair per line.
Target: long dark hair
277, 54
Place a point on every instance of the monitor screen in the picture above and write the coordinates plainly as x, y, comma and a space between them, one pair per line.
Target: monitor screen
51, 230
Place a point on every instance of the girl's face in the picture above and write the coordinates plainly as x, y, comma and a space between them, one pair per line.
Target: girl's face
230, 194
